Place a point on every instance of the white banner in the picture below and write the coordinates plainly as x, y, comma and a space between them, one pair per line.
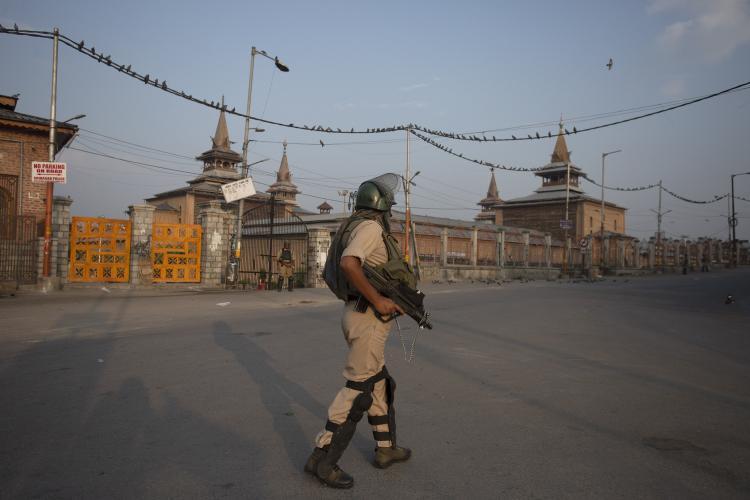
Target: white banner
238, 189
49, 171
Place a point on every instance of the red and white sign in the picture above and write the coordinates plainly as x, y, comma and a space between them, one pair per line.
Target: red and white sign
49, 171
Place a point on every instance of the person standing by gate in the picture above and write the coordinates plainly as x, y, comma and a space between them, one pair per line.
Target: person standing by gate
363, 238
286, 267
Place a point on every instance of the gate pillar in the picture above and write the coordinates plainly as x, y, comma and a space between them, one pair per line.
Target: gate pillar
216, 226
141, 223
61, 233
318, 242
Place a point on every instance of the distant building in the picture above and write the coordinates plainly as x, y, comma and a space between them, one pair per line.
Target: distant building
284, 189
544, 210
325, 208
488, 202
24, 139
221, 165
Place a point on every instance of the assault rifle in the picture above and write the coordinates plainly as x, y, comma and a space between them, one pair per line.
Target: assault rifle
411, 301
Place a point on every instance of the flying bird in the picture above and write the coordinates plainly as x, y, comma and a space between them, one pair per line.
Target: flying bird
321, 143
610, 64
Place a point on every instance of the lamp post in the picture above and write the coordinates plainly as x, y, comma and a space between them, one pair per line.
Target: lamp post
76, 117
604, 155
246, 138
733, 221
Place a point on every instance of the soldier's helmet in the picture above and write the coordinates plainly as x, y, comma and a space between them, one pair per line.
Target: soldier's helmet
378, 193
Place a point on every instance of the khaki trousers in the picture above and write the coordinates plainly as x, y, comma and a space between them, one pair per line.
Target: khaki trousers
366, 336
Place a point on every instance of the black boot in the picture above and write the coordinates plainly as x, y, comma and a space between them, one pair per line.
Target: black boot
291, 284
334, 477
312, 463
337, 478
388, 455
280, 284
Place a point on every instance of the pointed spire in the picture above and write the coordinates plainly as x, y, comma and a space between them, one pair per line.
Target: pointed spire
492, 190
283, 173
560, 154
221, 137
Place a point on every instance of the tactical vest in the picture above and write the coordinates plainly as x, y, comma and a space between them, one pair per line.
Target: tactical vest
395, 267
286, 256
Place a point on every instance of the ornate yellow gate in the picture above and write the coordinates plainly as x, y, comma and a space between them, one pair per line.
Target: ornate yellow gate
176, 253
99, 250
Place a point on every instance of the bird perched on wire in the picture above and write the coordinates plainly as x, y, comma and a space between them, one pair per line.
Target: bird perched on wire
610, 64
321, 143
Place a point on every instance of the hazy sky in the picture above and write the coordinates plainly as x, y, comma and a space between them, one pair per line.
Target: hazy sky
457, 66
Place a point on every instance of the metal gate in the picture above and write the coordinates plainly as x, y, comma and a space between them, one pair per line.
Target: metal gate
265, 229
18, 249
176, 253
99, 250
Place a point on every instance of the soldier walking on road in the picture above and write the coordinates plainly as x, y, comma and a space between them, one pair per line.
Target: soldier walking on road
363, 238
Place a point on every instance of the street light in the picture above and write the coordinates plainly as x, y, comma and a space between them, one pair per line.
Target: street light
76, 117
604, 155
733, 221
246, 139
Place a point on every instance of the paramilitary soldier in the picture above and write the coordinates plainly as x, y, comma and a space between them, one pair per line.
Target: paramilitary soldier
364, 237
286, 267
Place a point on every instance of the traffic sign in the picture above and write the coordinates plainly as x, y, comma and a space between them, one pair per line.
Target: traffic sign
583, 243
49, 171
566, 224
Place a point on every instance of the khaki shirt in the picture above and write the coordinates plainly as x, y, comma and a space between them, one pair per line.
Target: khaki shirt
366, 243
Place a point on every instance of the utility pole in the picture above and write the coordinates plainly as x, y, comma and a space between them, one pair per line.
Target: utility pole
343, 193
659, 215
733, 222
407, 216
245, 144
604, 155
567, 201
246, 137
52, 150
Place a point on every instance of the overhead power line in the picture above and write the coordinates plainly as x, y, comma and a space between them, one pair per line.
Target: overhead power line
162, 85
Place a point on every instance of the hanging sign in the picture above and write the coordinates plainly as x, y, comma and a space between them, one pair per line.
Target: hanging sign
238, 189
49, 171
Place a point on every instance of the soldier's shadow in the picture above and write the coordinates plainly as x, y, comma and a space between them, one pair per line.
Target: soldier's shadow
279, 395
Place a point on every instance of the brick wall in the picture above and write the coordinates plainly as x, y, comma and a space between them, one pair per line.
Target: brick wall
34, 148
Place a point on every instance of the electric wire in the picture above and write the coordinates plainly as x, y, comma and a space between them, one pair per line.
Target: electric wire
107, 60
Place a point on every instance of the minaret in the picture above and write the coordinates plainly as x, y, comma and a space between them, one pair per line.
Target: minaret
488, 202
284, 188
220, 161
554, 174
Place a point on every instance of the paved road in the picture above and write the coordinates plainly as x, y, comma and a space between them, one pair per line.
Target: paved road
616, 389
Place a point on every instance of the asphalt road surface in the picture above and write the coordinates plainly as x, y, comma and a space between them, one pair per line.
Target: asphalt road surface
634, 388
